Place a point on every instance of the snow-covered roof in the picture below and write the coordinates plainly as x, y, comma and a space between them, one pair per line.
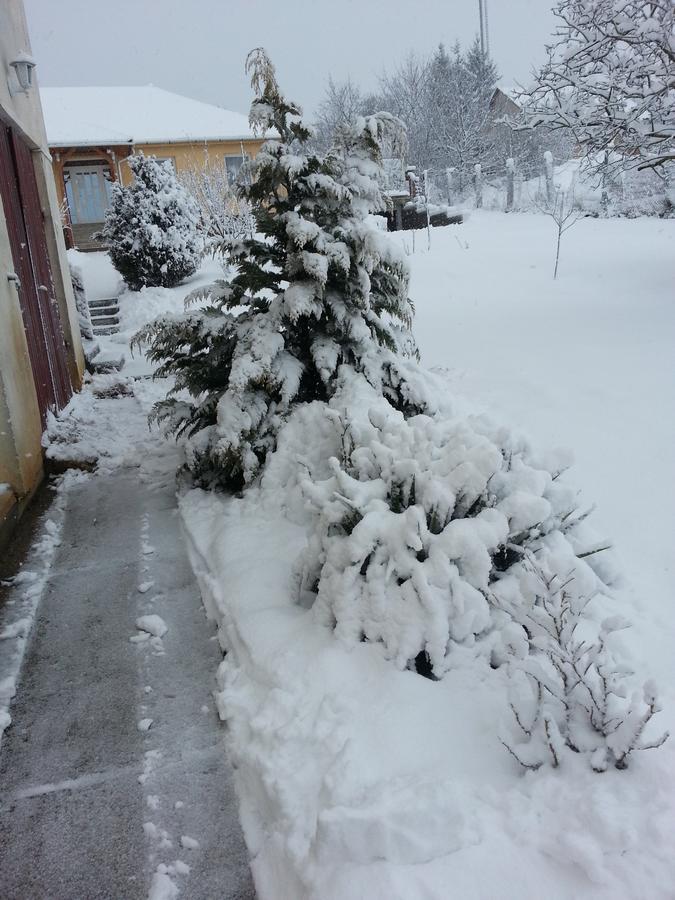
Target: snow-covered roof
82, 116
511, 91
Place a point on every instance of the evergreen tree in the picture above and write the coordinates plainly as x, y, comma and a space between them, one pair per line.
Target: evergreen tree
318, 287
152, 227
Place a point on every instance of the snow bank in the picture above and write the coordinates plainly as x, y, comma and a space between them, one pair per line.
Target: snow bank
356, 776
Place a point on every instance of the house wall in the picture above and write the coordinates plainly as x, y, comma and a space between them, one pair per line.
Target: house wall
184, 155
20, 429
192, 155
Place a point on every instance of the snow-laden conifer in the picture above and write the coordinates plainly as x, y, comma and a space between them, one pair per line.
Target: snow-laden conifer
318, 287
152, 227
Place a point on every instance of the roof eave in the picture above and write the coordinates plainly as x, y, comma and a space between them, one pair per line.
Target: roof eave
59, 145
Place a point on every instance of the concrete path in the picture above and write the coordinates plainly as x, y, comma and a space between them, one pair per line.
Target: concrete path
91, 804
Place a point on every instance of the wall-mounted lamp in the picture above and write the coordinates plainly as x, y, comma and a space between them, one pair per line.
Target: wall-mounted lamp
23, 65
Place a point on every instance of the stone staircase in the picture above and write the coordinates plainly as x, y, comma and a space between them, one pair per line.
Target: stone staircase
105, 319
105, 316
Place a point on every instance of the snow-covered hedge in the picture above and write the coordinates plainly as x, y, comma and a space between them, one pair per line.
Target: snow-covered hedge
152, 227
438, 535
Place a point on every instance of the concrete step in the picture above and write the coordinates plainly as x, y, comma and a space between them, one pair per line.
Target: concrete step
104, 320
110, 301
108, 362
106, 329
104, 311
91, 349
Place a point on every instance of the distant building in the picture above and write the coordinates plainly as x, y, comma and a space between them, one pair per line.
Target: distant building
92, 130
504, 102
41, 360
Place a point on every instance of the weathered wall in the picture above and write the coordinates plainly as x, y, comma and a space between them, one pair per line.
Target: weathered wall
20, 429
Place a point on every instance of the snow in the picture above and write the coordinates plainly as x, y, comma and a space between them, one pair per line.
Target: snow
81, 116
137, 308
355, 776
162, 887
18, 615
189, 843
152, 624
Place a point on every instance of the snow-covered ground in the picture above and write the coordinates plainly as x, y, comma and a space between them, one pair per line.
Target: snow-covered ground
358, 780
102, 282
584, 362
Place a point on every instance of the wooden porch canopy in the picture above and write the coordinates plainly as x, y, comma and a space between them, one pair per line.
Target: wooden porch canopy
65, 157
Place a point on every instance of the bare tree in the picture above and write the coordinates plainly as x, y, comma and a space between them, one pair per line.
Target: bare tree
564, 210
404, 92
224, 215
341, 105
610, 81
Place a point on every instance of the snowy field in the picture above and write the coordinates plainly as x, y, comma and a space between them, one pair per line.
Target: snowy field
585, 362
360, 781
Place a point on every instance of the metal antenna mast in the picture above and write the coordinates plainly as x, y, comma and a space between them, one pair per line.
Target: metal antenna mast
487, 30
484, 36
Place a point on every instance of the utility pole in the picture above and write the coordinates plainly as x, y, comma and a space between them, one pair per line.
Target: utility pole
484, 35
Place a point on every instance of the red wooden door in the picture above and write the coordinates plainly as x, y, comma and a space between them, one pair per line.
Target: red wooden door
21, 203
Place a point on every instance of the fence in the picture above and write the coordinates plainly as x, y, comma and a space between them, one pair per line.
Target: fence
510, 189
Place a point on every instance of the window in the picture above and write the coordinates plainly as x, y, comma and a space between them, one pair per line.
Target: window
232, 165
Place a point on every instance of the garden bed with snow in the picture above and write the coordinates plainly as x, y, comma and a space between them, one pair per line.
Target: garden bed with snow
353, 773
359, 779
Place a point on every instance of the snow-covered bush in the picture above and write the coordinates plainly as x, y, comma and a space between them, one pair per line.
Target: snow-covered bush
571, 694
416, 522
224, 215
152, 227
320, 286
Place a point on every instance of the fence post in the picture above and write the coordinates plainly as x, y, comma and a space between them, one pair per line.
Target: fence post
449, 178
510, 178
478, 184
548, 172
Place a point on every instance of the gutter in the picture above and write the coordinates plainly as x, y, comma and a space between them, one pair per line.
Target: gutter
60, 145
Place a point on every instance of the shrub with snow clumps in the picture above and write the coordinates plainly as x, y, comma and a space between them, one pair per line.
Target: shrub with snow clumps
152, 227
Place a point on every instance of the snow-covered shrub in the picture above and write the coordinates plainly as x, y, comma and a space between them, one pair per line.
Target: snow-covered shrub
417, 520
224, 215
152, 227
318, 287
571, 694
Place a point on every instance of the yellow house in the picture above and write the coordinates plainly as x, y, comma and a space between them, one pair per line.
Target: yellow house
92, 130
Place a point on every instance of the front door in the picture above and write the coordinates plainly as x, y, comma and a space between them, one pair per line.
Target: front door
88, 194
32, 274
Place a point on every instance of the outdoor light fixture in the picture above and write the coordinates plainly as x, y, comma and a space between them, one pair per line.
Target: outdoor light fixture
23, 65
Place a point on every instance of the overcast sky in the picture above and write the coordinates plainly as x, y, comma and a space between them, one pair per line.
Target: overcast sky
198, 47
